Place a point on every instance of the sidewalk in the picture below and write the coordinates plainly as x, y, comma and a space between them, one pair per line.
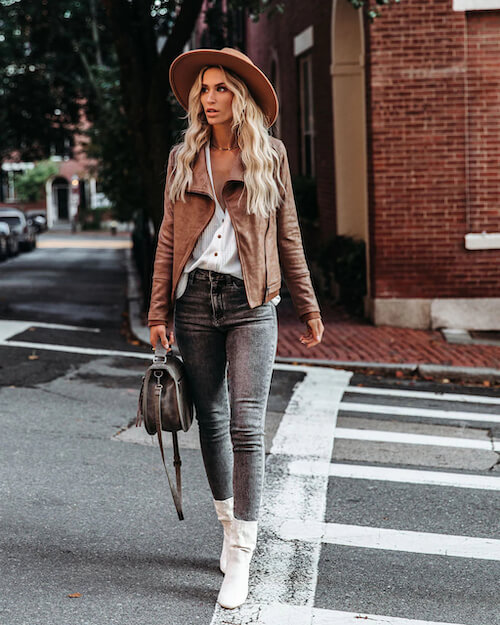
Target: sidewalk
355, 340
354, 343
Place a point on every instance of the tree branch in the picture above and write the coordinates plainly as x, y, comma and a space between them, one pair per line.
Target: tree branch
182, 30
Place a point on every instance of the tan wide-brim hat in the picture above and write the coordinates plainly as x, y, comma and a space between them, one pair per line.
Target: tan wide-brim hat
186, 66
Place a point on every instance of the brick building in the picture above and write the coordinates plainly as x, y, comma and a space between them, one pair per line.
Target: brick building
398, 121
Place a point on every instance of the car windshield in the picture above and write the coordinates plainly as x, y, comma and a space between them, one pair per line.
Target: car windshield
12, 221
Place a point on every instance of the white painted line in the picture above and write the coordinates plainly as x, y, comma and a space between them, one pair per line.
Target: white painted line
83, 244
10, 327
390, 392
392, 540
334, 617
384, 436
146, 356
427, 413
306, 430
60, 326
394, 474
92, 351
282, 614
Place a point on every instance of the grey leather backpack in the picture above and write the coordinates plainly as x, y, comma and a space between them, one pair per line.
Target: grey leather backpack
165, 405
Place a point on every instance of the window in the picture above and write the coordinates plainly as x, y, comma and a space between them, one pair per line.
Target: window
307, 167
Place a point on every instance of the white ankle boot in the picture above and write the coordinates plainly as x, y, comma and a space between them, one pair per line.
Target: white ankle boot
234, 589
224, 510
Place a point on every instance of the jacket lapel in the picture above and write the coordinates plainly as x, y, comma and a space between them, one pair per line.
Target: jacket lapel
201, 181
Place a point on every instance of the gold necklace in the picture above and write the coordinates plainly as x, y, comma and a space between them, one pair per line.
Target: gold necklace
224, 149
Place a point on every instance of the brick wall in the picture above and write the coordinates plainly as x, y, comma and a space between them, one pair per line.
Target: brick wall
421, 57
483, 101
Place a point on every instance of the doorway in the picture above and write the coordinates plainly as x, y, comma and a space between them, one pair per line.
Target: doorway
60, 193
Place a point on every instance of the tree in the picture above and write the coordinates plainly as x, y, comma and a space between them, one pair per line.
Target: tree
30, 184
109, 58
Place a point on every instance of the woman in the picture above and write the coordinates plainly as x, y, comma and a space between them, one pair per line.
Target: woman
229, 221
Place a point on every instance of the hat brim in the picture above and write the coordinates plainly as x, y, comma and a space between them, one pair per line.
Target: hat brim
185, 68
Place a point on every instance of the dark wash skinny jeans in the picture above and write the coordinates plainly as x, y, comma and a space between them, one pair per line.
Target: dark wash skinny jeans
228, 351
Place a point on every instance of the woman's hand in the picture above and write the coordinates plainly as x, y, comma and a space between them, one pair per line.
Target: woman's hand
314, 333
160, 332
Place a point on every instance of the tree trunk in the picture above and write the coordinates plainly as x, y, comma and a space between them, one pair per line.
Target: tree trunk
144, 84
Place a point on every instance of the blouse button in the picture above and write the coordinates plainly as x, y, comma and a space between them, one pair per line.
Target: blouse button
215, 254
219, 236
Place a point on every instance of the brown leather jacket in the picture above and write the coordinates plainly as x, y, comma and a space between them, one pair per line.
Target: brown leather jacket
264, 244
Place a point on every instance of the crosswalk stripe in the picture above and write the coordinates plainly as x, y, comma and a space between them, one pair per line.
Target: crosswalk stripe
335, 617
285, 614
391, 392
428, 413
392, 539
384, 436
395, 474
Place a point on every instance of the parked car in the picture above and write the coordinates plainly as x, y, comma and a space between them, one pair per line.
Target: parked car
4, 240
17, 221
9, 245
38, 219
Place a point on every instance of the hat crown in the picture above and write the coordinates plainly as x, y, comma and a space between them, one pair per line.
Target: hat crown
235, 52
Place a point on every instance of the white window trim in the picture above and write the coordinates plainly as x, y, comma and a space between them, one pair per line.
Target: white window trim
482, 241
475, 5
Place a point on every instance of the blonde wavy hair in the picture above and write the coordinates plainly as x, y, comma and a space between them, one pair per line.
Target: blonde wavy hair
261, 161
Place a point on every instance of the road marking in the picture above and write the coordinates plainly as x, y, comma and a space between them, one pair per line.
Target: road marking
462, 398
391, 539
92, 351
307, 431
81, 244
12, 327
384, 436
394, 474
113, 352
279, 614
428, 413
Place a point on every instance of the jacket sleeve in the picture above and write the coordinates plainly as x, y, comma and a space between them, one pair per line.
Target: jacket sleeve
291, 249
162, 269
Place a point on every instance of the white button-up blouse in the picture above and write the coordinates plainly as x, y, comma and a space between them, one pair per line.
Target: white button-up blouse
216, 248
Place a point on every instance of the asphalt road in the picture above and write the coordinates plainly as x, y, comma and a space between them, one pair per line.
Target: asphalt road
377, 506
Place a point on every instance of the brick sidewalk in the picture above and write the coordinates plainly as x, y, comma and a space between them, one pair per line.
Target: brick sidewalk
350, 339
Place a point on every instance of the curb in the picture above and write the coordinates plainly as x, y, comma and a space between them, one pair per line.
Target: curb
134, 299
424, 370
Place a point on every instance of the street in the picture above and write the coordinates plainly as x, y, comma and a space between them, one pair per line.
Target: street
380, 502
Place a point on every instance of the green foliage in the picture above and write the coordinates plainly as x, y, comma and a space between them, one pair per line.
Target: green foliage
111, 145
47, 51
371, 12
343, 259
30, 184
92, 219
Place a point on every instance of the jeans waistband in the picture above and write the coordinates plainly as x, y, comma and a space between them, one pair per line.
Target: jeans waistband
214, 276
